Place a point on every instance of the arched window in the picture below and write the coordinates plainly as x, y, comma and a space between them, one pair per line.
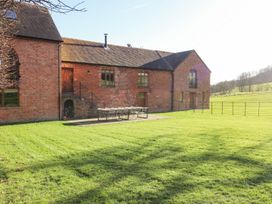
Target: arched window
9, 94
193, 79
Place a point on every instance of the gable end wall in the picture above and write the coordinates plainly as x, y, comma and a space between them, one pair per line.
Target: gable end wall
181, 83
39, 83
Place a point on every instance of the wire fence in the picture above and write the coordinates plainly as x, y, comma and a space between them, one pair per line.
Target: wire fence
238, 108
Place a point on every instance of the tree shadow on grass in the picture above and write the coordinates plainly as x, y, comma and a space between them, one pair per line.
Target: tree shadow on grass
145, 162
3, 174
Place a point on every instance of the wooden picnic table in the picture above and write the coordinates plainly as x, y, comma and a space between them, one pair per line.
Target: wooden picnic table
121, 112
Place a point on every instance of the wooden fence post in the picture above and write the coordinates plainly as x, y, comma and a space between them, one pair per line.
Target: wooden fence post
245, 108
222, 108
211, 107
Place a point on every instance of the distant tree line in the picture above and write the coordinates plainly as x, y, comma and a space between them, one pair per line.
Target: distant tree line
244, 81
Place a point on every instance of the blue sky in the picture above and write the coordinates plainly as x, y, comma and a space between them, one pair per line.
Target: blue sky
231, 36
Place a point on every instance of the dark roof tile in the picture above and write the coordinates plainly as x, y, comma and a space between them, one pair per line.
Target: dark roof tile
80, 51
35, 22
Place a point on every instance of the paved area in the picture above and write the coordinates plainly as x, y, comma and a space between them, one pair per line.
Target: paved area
94, 121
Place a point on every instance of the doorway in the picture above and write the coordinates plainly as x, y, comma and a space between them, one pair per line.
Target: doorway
142, 99
67, 80
192, 100
68, 110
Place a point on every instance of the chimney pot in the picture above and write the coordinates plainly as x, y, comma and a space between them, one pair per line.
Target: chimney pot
106, 40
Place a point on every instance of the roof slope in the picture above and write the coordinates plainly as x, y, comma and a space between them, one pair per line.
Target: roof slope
88, 52
35, 22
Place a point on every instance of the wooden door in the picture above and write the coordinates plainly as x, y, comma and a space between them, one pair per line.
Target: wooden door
67, 80
192, 100
142, 99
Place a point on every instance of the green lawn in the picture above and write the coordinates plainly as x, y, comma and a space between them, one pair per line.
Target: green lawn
187, 158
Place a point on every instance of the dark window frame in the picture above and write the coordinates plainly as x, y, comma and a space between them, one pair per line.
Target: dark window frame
143, 79
193, 79
107, 78
3, 99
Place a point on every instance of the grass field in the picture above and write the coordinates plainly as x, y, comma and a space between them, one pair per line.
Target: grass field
259, 93
186, 158
264, 97
243, 103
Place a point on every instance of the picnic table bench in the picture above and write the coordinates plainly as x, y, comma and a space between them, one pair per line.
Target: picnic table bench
122, 112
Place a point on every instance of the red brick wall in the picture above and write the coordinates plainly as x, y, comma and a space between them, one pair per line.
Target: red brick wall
38, 86
181, 84
125, 91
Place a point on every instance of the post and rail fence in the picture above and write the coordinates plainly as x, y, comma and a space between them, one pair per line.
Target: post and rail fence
238, 108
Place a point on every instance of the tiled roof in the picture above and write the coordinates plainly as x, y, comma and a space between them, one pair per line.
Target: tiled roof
80, 51
35, 22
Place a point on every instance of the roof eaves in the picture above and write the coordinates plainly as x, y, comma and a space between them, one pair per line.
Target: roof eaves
38, 38
110, 65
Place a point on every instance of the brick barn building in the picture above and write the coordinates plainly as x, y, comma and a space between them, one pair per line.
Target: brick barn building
72, 78
37, 45
96, 75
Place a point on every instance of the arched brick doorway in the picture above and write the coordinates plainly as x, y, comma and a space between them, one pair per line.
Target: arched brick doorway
68, 109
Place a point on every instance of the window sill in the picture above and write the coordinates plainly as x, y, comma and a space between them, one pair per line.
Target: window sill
9, 107
108, 86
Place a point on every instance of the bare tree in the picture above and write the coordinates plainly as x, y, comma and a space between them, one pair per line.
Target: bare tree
7, 26
56, 5
245, 81
249, 81
242, 81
